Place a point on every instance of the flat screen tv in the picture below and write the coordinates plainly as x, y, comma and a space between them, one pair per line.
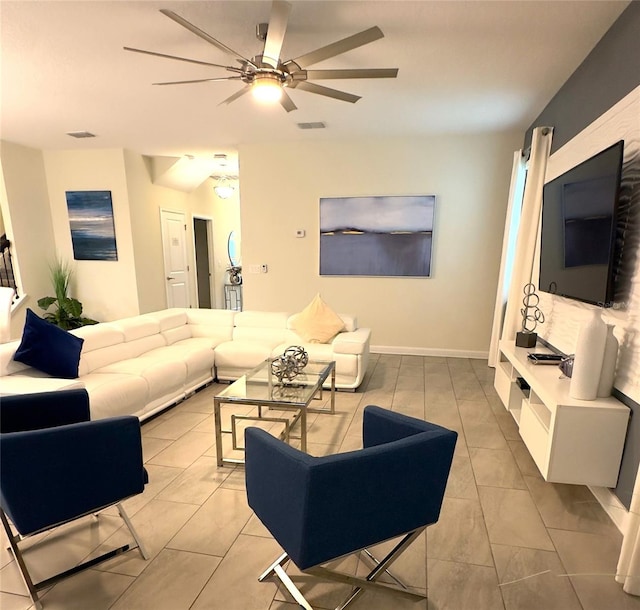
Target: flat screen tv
579, 215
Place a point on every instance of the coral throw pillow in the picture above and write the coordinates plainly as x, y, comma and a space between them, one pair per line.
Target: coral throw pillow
48, 348
317, 322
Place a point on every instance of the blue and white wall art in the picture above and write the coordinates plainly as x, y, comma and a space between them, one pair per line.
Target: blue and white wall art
376, 236
92, 228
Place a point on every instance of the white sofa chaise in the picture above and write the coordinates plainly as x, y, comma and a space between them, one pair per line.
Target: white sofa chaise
143, 364
259, 335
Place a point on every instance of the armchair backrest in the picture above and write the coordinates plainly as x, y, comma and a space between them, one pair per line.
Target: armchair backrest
320, 508
20, 412
54, 475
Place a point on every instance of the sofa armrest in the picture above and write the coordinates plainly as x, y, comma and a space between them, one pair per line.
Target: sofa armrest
20, 412
353, 342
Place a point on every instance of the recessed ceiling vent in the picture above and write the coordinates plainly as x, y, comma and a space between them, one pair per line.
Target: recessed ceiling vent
314, 125
81, 134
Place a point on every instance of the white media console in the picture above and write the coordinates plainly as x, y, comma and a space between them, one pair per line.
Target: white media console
570, 440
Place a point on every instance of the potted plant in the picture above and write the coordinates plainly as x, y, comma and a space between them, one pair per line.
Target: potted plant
67, 312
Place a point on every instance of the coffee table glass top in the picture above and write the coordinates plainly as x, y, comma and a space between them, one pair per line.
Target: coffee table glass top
259, 384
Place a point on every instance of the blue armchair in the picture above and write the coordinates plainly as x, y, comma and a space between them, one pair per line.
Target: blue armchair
58, 466
322, 508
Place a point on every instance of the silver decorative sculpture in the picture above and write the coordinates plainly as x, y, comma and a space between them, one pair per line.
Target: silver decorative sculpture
287, 367
531, 316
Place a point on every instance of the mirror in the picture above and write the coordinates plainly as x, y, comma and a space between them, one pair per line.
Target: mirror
233, 250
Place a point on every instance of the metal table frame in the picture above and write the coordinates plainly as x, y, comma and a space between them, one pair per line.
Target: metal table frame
302, 408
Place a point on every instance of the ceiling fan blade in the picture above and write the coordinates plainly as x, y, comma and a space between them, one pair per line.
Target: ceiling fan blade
355, 73
287, 102
199, 80
235, 96
280, 11
202, 34
192, 61
341, 46
321, 90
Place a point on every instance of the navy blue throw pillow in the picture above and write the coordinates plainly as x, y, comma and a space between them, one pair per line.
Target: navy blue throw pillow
48, 348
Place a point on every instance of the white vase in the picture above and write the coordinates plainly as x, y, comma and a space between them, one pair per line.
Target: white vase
608, 373
587, 365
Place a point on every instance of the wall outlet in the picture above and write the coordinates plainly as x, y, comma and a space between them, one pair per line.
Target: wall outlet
264, 268
300, 233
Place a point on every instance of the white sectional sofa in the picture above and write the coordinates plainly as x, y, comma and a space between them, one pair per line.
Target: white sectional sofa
143, 364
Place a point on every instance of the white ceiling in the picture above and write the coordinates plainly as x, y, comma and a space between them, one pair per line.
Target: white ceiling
464, 66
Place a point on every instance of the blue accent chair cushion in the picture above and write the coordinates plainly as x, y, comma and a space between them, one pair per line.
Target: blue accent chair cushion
48, 348
321, 508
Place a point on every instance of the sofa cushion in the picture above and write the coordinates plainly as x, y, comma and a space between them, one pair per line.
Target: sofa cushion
241, 354
196, 354
169, 318
216, 324
113, 394
98, 336
137, 327
48, 348
266, 328
317, 322
8, 366
162, 375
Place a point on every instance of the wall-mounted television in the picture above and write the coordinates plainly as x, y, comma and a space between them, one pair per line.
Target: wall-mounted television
579, 215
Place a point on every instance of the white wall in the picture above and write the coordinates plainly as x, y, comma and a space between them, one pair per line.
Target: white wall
145, 202
449, 313
27, 219
107, 289
225, 217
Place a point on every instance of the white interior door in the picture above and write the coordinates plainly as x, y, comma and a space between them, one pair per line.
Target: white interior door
176, 269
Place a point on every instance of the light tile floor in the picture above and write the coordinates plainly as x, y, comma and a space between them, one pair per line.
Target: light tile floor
506, 539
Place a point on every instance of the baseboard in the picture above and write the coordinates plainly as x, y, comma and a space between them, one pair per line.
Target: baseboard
612, 506
427, 351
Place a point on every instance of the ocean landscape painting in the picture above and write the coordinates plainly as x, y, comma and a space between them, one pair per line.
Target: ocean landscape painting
376, 236
92, 228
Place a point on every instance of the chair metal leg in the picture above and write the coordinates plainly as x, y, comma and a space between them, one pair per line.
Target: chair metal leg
34, 588
271, 570
132, 531
360, 584
22, 567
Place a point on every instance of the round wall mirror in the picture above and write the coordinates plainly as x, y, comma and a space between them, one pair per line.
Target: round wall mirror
233, 249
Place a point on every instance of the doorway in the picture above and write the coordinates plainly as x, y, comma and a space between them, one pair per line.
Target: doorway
203, 254
176, 268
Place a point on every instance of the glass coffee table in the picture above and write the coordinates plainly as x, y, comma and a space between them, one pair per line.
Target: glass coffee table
260, 388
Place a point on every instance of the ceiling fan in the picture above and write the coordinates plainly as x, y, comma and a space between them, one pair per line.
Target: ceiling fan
266, 75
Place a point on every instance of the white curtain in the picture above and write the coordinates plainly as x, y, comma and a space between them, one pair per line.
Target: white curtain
512, 222
528, 230
628, 572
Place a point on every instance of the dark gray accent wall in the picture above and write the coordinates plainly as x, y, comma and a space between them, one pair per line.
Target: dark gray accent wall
607, 74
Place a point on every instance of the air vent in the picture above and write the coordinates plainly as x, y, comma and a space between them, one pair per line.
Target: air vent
315, 125
81, 134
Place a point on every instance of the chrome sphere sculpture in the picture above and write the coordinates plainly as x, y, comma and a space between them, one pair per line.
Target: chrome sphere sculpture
287, 367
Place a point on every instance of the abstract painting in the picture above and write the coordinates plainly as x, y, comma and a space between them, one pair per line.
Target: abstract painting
376, 236
93, 233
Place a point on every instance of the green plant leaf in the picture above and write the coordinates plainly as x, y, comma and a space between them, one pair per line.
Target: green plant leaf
46, 302
71, 307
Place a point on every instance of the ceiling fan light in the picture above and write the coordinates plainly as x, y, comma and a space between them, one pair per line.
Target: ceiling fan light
224, 188
266, 88
224, 191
